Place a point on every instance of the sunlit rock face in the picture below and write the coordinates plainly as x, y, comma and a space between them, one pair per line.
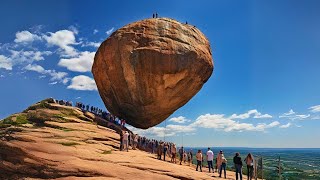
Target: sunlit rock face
148, 69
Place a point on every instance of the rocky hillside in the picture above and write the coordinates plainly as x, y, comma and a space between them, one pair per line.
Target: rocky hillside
49, 141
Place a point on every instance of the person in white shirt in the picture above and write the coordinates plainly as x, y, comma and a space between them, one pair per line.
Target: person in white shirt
125, 140
210, 159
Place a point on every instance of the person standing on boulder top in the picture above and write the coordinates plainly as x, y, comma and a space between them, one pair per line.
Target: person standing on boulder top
173, 153
199, 160
125, 140
156, 15
210, 159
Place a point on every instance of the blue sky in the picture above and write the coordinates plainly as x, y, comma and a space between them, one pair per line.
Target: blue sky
264, 91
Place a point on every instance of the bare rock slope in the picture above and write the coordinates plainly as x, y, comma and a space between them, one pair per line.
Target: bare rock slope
148, 69
48, 141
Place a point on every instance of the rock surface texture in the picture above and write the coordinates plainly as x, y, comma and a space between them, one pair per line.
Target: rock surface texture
148, 69
50, 141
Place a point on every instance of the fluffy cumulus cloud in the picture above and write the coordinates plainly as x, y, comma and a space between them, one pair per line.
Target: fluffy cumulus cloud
26, 36
250, 113
63, 39
169, 130
285, 126
82, 83
315, 109
179, 119
294, 116
108, 32
55, 76
81, 63
21, 56
5, 63
220, 122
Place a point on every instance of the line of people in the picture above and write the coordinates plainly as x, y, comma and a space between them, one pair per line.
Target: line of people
221, 163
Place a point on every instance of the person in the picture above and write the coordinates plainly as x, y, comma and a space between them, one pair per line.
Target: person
216, 166
156, 15
189, 158
165, 149
125, 140
173, 153
181, 154
185, 156
199, 160
238, 165
191, 155
223, 166
159, 150
121, 140
210, 159
153, 15
249, 162
219, 161
135, 141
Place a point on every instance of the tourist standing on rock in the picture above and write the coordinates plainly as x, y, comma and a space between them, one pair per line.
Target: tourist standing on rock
181, 154
173, 153
185, 156
125, 140
249, 162
223, 166
165, 149
219, 161
135, 141
199, 160
191, 156
159, 150
238, 165
210, 159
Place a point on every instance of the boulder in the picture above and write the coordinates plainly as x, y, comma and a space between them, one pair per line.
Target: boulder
148, 69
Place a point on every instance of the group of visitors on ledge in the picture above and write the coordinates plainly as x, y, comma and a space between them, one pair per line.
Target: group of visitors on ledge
164, 149
169, 149
95, 110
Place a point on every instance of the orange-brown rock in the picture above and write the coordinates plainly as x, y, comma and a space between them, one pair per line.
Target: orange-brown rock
148, 69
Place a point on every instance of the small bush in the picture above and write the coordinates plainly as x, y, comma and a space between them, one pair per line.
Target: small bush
107, 152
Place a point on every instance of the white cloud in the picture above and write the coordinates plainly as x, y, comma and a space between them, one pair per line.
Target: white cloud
179, 119
314, 109
63, 39
36, 68
170, 130
285, 125
248, 114
93, 44
82, 63
55, 76
53, 83
218, 121
83, 83
95, 31
25, 36
28, 56
109, 31
293, 116
5, 62
2, 76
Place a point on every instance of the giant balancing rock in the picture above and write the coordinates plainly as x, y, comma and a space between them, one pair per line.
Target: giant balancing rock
148, 69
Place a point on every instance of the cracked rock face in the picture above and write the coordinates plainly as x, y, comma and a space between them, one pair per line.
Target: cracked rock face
148, 69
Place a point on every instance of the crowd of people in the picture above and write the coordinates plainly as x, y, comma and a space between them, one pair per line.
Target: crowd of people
101, 113
168, 149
